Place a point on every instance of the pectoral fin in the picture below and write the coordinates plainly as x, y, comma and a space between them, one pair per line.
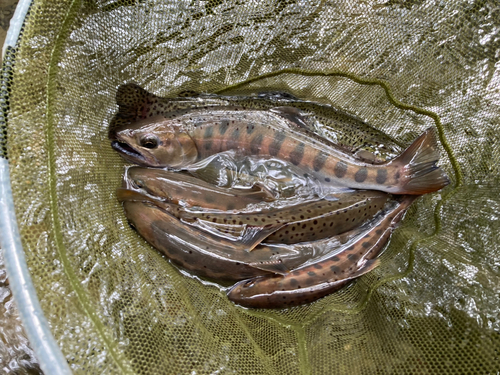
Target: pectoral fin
254, 235
263, 192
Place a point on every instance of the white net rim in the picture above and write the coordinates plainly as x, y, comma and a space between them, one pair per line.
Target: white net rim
48, 353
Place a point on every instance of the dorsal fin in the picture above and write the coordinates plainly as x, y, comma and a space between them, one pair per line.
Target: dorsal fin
293, 115
132, 101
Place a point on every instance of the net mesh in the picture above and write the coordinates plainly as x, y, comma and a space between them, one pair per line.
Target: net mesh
116, 306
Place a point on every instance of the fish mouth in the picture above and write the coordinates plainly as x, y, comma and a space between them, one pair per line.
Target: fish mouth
128, 152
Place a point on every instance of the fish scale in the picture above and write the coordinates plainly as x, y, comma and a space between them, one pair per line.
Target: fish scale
314, 281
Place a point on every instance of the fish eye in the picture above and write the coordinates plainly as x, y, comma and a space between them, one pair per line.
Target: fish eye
249, 284
138, 184
149, 141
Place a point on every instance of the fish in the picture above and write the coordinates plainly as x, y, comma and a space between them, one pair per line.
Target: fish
346, 129
246, 240
195, 251
181, 138
303, 222
207, 255
179, 188
307, 284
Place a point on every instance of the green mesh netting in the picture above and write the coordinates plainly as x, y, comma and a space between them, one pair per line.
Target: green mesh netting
115, 305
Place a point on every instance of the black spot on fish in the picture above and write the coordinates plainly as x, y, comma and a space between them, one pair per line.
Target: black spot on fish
327, 179
319, 161
353, 257
381, 176
340, 169
297, 154
311, 273
361, 175
366, 245
275, 146
224, 125
255, 144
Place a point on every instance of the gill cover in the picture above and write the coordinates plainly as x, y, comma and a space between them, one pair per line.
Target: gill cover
155, 142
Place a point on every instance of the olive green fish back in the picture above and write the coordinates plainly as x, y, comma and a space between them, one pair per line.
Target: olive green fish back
116, 306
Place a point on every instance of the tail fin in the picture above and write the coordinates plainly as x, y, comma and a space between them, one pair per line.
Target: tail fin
132, 101
420, 174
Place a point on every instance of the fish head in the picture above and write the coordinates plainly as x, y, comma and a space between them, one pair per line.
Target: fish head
253, 288
126, 196
155, 142
139, 215
157, 182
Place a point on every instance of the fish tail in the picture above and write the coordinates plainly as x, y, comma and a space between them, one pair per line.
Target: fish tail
131, 100
419, 172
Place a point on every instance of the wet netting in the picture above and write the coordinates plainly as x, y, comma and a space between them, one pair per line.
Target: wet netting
115, 305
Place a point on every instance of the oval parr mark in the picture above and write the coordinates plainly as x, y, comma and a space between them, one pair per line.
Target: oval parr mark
233, 141
297, 154
224, 125
353, 257
381, 176
250, 128
319, 161
311, 273
335, 269
275, 146
361, 175
256, 143
209, 132
340, 169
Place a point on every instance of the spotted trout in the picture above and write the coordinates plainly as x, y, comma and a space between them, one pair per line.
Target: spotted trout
180, 138
208, 255
303, 222
183, 189
319, 279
